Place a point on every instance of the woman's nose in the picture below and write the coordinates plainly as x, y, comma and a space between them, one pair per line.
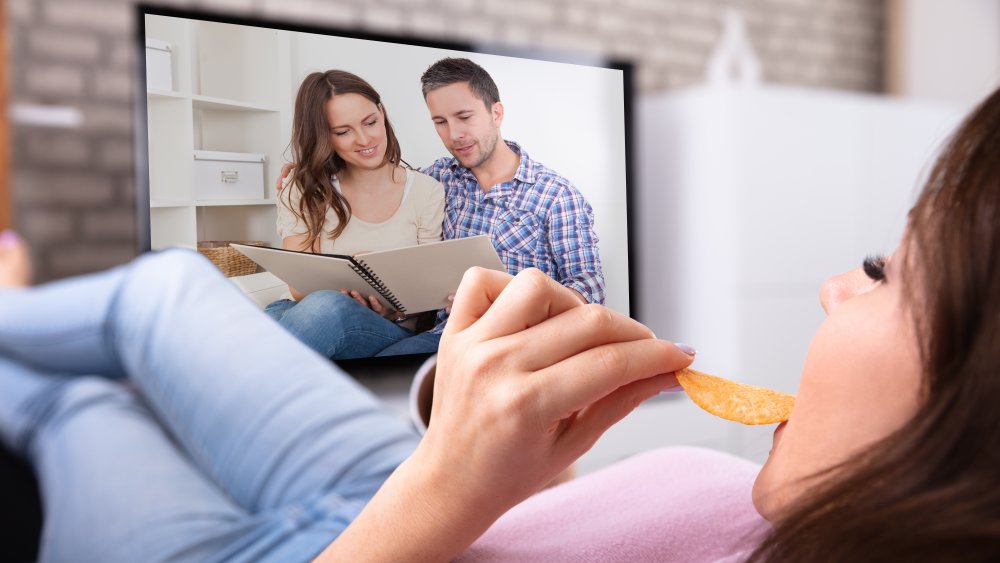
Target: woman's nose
843, 287
362, 139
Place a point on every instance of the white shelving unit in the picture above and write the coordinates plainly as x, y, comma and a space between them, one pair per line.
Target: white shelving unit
749, 198
232, 93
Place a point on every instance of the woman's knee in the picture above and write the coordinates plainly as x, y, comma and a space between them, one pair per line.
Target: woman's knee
277, 309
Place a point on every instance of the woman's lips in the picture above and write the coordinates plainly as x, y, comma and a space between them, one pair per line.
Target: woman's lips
369, 152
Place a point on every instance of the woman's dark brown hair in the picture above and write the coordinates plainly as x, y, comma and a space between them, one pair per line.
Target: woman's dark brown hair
931, 490
315, 161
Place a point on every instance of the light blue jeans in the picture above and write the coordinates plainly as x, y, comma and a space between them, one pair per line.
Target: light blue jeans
340, 328
167, 419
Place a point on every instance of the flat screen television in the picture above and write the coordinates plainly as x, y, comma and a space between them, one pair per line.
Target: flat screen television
219, 97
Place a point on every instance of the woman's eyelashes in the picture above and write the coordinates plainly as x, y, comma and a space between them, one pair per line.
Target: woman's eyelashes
874, 267
343, 132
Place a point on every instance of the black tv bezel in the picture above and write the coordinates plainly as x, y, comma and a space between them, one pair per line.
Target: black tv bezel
141, 128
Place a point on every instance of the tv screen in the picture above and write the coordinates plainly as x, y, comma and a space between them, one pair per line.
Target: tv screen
216, 126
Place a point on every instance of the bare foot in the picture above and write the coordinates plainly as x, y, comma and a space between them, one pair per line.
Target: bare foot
15, 266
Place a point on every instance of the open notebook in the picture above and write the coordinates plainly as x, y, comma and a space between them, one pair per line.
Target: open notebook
411, 279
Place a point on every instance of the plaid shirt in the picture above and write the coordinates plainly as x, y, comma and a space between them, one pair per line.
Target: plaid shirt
536, 220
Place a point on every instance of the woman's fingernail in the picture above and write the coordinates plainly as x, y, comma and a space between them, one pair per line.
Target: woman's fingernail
9, 238
690, 351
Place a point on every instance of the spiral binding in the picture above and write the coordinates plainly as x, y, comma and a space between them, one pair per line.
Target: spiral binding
373, 280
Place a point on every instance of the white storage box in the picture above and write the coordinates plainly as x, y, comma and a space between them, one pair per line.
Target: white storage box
228, 175
159, 75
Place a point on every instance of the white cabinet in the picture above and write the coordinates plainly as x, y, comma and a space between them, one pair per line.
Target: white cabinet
232, 93
748, 199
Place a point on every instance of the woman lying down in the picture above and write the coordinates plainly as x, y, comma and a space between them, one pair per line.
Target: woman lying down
168, 419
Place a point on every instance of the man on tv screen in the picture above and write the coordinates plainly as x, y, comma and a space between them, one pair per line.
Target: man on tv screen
493, 187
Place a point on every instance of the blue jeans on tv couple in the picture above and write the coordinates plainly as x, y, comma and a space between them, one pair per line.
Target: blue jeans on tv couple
340, 328
167, 418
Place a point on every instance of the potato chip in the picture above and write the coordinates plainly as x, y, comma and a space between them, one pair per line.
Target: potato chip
735, 401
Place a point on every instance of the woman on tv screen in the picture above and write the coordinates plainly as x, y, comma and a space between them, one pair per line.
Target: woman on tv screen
350, 192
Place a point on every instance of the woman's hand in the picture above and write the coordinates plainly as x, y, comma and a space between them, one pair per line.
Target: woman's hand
375, 305
528, 378
286, 168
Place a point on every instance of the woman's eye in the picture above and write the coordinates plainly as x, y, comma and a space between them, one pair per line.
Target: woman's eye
370, 123
874, 267
340, 133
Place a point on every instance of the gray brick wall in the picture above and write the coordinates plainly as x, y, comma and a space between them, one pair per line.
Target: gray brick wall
72, 189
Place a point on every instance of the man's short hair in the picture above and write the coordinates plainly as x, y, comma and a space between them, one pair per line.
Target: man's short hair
450, 70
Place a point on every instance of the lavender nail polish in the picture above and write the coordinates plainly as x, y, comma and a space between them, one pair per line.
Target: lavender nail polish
8, 238
690, 351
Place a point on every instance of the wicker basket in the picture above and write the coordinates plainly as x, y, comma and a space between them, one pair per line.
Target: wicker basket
227, 258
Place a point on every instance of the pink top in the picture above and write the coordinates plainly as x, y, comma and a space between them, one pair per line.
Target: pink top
673, 504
